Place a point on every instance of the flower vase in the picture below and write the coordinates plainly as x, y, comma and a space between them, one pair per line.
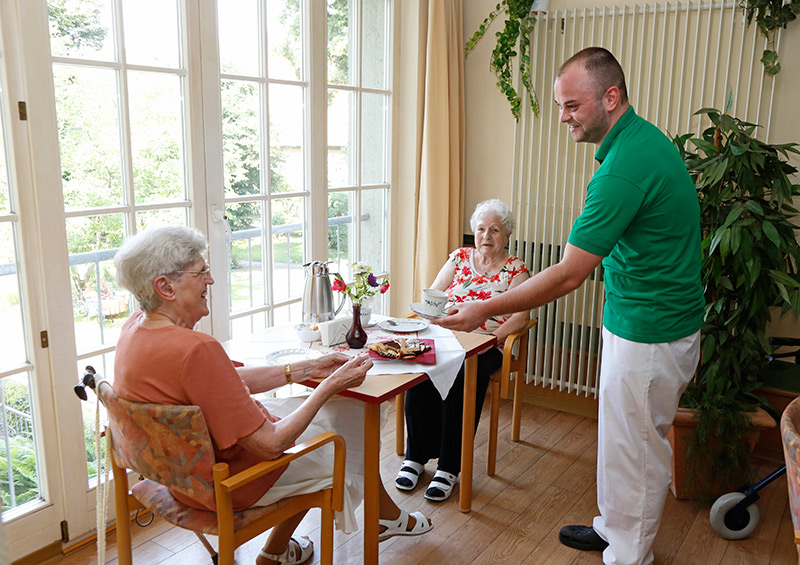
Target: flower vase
356, 336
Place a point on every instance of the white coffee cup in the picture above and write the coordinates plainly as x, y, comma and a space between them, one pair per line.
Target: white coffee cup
433, 301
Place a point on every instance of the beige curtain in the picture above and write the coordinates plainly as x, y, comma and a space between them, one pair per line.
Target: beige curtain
440, 202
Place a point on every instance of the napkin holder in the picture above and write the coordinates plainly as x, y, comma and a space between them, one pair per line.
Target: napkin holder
334, 331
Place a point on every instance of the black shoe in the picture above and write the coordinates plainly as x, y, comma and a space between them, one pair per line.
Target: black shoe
582, 537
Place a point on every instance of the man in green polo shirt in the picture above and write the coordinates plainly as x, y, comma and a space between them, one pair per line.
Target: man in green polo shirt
641, 218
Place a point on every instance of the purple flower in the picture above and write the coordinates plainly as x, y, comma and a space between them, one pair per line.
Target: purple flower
372, 280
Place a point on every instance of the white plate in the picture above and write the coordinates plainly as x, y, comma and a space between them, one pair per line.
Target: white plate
416, 307
291, 356
403, 325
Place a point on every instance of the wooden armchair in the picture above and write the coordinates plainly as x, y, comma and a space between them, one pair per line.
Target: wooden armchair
512, 363
790, 432
171, 448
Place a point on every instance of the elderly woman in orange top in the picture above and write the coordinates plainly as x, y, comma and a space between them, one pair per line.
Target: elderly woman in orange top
434, 425
161, 359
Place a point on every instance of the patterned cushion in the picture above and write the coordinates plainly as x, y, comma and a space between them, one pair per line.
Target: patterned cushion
790, 422
159, 500
168, 444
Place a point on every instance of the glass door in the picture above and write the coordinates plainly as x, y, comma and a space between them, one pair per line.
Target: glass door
31, 490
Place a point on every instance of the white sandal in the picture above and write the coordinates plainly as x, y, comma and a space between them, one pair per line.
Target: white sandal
441, 486
291, 555
408, 475
399, 526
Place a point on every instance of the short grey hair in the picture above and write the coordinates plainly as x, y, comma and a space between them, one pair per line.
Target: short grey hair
497, 208
155, 252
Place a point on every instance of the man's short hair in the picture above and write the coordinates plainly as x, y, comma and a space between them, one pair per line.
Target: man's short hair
603, 68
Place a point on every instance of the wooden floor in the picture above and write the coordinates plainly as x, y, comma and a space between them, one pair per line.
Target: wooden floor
542, 483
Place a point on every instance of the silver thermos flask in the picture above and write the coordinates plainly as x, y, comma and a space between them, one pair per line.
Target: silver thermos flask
318, 295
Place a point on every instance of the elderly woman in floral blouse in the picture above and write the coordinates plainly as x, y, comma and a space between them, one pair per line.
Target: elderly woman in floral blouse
434, 425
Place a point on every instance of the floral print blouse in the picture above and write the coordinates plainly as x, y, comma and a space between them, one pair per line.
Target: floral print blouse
468, 284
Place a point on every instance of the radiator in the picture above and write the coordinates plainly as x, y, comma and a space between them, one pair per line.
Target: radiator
678, 58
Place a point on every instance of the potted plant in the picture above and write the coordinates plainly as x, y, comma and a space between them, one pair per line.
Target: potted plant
513, 40
749, 267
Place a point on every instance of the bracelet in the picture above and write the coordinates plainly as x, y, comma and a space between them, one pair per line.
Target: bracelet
288, 373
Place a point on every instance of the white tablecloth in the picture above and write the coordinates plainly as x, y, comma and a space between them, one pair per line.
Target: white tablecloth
449, 353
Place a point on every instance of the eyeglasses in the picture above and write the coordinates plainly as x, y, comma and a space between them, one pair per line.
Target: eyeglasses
202, 273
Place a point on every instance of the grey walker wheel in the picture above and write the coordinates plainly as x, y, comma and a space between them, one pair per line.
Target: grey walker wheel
729, 524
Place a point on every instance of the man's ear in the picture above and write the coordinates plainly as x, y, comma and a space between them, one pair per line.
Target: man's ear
164, 288
611, 99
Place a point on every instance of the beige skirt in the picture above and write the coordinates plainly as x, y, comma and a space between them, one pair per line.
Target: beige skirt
314, 471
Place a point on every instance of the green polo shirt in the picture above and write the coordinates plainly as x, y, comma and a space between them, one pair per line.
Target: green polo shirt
642, 215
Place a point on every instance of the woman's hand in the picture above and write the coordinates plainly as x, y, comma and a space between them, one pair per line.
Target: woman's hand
351, 374
327, 364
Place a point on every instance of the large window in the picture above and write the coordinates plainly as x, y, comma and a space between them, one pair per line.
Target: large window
270, 163
119, 79
263, 119
358, 130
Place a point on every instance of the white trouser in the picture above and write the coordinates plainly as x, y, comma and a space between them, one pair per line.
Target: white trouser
640, 385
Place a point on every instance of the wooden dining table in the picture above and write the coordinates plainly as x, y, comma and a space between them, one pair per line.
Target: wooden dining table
377, 389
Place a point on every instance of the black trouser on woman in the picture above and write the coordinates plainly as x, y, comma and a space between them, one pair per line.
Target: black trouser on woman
434, 425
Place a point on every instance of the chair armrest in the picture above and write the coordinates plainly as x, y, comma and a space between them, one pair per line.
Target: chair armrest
511, 339
260, 469
513, 364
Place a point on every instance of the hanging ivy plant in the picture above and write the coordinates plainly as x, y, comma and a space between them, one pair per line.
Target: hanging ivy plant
771, 15
513, 40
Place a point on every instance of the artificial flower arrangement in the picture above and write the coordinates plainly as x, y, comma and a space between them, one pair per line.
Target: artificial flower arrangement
365, 284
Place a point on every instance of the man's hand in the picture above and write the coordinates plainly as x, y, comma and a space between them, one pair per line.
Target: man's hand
465, 316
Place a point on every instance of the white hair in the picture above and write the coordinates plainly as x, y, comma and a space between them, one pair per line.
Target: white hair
155, 252
495, 207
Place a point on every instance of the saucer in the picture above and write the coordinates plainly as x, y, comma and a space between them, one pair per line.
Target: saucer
416, 307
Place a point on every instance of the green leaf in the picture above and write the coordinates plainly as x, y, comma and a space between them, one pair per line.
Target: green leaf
755, 207
772, 233
729, 101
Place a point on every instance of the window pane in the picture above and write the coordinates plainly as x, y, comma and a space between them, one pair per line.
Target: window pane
339, 229
151, 32
19, 473
238, 37
247, 286
373, 138
81, 29
373, 47
241, 137
374, 204
341, 164
157, 148
100, 308
288, 315
284, 39
288, 243
12, 334
243, 327
89, 136
340, 46
166, 217
286, 138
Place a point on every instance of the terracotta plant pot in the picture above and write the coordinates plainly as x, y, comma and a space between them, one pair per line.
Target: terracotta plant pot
682, 428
